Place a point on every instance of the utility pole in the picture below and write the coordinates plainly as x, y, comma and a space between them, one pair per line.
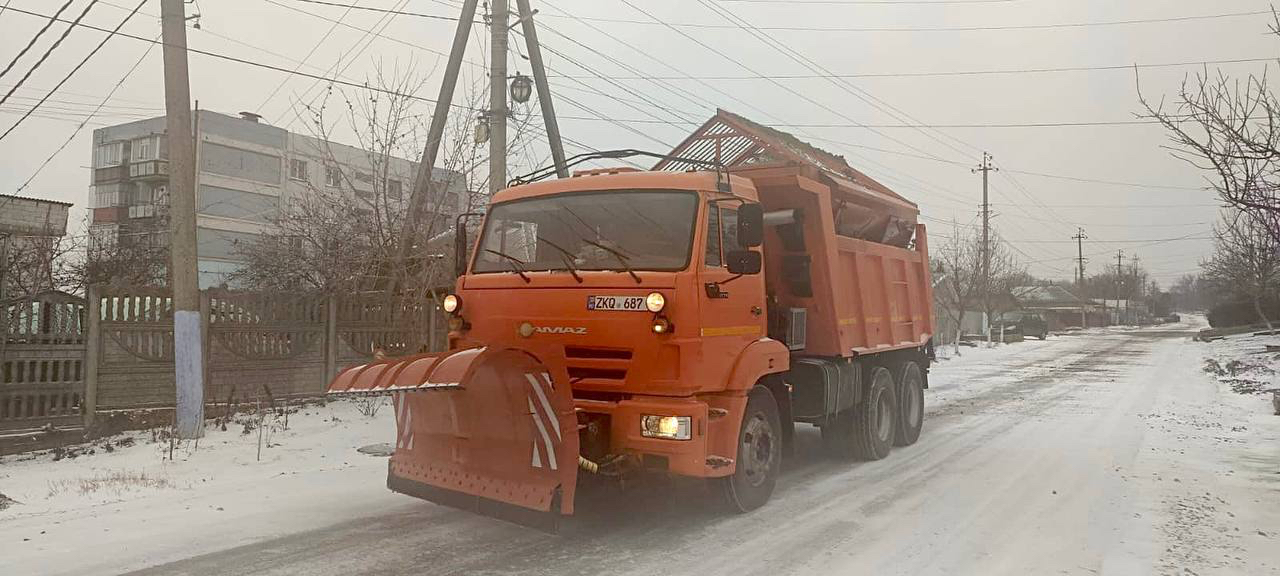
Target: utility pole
422, 185
544, 90
986, 168
498, 96
1080, 237
1119, 280
188, 362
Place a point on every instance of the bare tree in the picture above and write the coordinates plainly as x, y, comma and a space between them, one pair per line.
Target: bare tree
1246, 260
959, 285
344, 236
1005, 275
1230, 127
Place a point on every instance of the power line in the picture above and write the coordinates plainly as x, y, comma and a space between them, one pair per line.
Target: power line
91, 115
35, 38
1111, 182
302, 62
981, 72
64, 80
50, 50
875, 2
696, 25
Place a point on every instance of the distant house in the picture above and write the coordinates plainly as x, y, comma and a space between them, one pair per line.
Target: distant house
29, 229
1128, 312
1057, 305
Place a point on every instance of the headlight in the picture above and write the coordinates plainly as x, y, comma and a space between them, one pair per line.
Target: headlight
655, 302
668, 427
451, 303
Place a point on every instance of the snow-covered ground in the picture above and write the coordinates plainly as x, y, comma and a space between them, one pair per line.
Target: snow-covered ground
133, 506
1118, 451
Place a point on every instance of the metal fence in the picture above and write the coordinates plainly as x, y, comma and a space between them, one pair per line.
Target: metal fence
63, 358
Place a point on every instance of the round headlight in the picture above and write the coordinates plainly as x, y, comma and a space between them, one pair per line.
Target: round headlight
655, 302
451, 303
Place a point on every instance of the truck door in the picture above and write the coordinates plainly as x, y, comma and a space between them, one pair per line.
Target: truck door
732, 309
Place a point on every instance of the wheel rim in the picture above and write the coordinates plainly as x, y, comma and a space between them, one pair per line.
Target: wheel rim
884, 418
758, 450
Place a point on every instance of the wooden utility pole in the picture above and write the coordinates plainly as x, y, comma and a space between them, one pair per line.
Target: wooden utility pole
1080, 237
187, 322
498, 96
544, 90
986, 168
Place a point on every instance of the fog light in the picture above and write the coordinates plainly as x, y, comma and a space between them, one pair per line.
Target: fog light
451, 303
668, 427
655, 302
661, 325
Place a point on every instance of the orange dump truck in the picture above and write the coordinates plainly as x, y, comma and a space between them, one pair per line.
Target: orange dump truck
681, 319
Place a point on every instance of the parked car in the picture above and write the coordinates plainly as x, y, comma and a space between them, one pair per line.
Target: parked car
1029, 324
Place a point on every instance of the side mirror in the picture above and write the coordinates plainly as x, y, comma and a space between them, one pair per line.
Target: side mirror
460, 243
744, 262
750, 225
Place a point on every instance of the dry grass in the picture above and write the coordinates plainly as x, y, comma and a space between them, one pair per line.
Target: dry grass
116, 482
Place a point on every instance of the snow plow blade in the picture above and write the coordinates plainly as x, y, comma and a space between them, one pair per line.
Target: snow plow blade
491, 430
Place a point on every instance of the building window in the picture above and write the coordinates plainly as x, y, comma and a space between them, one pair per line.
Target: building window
393, 189
144, 149
332, 176
298, 169
109, 154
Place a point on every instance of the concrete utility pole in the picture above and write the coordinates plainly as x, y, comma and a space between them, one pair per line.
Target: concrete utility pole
422, 187
986, 168
187, 346
544, 90
1080, 237
498, 96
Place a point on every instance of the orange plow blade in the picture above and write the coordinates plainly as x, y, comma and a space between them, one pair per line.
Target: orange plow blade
491, 430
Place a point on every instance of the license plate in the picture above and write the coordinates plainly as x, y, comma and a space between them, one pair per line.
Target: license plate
619, 303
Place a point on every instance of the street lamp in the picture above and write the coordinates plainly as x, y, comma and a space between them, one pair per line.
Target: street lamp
521, 88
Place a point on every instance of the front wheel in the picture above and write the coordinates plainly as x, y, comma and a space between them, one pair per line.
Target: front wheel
759, 454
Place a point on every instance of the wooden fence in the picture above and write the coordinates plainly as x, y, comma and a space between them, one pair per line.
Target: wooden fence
64, 358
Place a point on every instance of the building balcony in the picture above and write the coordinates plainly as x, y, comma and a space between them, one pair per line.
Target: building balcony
109, 174
149, 170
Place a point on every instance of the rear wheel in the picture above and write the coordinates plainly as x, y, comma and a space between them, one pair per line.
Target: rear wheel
873, 428
867, 430
910, 405
759, 454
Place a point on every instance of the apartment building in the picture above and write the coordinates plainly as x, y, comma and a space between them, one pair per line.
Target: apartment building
247, 173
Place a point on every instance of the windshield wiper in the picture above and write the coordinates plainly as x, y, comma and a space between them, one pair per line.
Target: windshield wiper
516, 264
622, 258
566, 256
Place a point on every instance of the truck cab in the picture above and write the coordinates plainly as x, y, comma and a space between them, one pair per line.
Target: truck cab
659, 306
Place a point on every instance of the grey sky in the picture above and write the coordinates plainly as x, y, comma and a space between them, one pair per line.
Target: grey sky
280, 32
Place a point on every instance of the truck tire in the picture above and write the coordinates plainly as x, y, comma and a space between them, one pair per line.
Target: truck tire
867, 430
874, 419
910, 405
759, 459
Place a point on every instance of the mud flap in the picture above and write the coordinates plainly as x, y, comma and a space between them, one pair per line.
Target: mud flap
491, 430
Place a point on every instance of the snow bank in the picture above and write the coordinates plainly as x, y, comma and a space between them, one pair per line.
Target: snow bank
129, 505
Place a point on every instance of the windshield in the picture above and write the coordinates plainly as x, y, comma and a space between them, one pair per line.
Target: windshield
613, 230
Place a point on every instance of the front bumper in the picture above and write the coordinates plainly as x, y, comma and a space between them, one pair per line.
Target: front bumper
704, 455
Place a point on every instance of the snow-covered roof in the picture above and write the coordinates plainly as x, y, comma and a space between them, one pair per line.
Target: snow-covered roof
1045, 297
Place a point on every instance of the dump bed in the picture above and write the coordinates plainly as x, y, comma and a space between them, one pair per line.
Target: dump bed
858, 296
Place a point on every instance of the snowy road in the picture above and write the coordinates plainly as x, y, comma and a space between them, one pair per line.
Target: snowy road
1092, 454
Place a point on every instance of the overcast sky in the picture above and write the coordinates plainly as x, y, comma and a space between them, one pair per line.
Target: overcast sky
889, 44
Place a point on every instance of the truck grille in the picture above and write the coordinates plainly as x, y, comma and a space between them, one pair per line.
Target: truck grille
596, 365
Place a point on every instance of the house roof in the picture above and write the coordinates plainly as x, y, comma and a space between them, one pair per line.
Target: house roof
1045, 297
41, 200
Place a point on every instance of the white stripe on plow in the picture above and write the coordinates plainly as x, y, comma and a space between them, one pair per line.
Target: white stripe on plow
546, 405
546, 438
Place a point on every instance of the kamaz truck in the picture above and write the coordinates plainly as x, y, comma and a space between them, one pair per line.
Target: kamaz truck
682, 319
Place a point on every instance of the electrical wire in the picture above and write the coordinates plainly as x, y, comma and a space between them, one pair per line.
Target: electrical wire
50, 50
73, 71
35, 38
91, 115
